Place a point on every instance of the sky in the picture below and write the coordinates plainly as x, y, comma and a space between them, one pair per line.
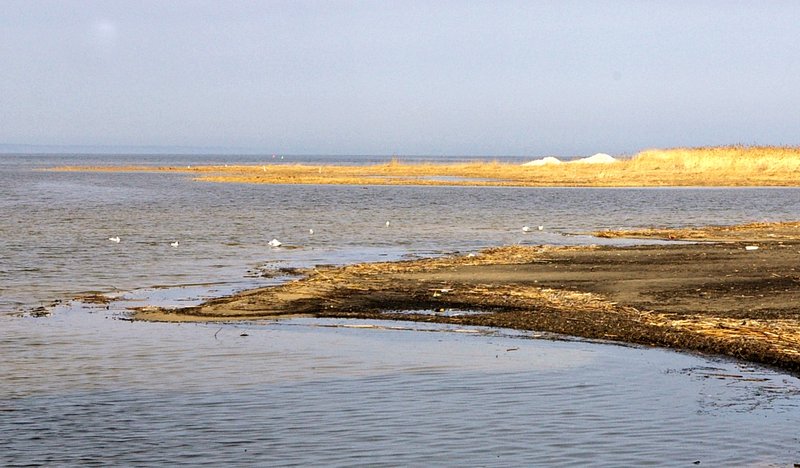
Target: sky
474, 78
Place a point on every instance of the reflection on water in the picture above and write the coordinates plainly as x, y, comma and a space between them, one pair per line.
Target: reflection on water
83, 387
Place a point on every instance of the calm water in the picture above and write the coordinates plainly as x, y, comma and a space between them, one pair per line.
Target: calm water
80, 387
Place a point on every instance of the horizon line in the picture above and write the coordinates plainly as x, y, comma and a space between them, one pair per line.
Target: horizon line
26, 148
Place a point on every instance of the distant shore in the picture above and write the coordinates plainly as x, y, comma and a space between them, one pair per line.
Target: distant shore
727, 166
734, 291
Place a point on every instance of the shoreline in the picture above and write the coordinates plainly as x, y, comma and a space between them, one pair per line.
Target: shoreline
724, 166
475, 174
733, 292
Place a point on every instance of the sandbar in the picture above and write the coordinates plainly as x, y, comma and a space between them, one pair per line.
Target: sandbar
725, 166
732, 291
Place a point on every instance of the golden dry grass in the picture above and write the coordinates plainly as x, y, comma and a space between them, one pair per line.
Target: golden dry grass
711, 166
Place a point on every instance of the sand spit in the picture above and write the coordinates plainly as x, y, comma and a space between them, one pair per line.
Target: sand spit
713, 297
728, 166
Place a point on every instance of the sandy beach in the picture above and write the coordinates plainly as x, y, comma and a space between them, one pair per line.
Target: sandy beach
733, 291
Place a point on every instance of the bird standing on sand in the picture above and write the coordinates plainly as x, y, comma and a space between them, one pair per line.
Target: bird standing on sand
311, 231
388, 223
526, 229
275, 243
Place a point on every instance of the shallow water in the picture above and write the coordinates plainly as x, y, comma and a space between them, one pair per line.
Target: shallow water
55, 226
83, 387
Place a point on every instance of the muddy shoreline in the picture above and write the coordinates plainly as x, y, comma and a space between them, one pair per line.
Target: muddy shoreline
734, 292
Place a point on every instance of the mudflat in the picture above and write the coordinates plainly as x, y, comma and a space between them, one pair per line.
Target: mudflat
733, 291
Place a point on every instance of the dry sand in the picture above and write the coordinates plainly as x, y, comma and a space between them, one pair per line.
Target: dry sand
721, 295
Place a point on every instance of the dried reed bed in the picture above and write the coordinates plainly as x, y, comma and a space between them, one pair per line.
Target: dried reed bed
478, 173
725, 161
711, 166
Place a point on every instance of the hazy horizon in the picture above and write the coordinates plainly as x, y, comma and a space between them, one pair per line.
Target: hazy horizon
512, 78
25, 149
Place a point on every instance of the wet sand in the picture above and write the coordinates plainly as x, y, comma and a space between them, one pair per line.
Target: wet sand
734, 292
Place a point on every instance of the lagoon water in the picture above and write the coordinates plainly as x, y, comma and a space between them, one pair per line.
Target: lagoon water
79, 386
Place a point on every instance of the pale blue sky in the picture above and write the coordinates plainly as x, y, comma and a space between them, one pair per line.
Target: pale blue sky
404, 77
